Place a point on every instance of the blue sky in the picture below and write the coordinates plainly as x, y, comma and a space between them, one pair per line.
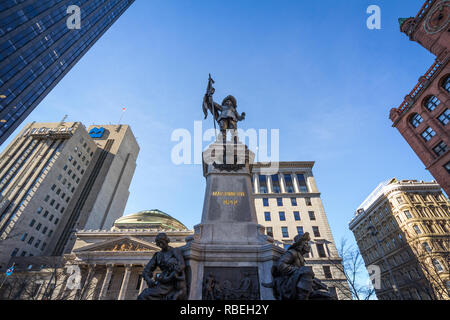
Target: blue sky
309, 68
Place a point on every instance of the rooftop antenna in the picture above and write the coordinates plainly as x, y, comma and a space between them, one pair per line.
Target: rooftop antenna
120, 119
62, 120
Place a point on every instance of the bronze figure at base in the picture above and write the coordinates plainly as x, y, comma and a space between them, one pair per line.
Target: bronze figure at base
292, 280
171, 283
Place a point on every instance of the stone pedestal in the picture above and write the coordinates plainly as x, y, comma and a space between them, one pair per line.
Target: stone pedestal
229, 256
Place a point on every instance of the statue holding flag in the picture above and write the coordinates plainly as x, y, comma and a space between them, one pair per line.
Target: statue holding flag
228, 116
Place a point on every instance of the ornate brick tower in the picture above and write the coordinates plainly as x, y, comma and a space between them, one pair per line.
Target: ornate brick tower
423, 117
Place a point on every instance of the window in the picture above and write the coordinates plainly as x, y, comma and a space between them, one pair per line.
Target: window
276, 184
70, 158
294, 202
288, 183
262, 184
64, 181
23, 253
43, 246
65, 167
296, 216
416, 120
44, 230
39, 210
280, 202
437, 265
78, 168
38, 227
69, 172
37, 243
416, 229
50, 233
312, 216
316, 231
282, 216
426, 246
57, 206
444, 118
53, 187
78, 180
302, 183
399, 200
284, 232
56, 221
308, 201
428, 134
267, 216
431, 103
269, 231
446, 84
14, 253
321, 250
300, 230
24, 236
52, 202
327, 272
59, 177
440, 149
408, 214
447, 167
32, 222
30, 241
265, 202
59, 191
62, 210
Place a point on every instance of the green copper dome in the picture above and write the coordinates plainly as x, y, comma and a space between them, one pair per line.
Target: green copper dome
148, 219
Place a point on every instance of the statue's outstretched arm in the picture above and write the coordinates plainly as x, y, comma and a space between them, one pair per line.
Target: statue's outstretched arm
148, 270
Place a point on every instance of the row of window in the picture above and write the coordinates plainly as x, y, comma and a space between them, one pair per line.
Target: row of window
280, 202
285, 231
288, 182
282, 216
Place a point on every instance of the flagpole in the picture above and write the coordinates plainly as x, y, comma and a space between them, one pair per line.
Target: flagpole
123, 111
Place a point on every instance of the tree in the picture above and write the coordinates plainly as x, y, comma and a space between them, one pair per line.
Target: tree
353, 268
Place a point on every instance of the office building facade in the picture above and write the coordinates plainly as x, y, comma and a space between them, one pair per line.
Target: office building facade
288, 203
37, 49
423, 116
403, 228
56, 178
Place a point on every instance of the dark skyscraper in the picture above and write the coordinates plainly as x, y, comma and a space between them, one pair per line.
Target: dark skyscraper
37, 48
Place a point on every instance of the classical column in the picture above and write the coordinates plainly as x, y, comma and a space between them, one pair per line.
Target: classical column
269, 183
105, 285
143, 284
126, 278
255, 183
295, 183
282, 182
87, 289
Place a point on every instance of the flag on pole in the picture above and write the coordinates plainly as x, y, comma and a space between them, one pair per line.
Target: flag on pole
10, 271
123, 109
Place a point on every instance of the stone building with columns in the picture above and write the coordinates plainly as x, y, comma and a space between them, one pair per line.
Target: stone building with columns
103, 264
288, 203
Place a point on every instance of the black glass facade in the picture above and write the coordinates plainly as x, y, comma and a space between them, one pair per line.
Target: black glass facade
37, 49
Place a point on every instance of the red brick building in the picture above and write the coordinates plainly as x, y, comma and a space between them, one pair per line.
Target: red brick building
423, 117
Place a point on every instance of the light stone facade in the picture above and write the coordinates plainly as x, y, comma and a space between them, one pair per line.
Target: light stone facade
293, 192
403, 227
55, 178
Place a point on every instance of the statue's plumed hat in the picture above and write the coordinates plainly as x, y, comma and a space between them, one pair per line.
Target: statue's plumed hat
232, 99
300, 240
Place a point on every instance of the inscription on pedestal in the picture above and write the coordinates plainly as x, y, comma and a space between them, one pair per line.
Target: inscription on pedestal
230, 283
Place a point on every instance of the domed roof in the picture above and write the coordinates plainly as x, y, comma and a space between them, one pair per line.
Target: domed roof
149, 219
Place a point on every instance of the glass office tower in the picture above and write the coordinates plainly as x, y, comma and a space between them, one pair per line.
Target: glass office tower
37, 49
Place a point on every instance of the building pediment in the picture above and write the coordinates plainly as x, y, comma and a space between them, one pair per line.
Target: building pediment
124, 244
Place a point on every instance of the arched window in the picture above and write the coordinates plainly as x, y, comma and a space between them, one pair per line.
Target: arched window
431, 103
446, 84
415, 120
